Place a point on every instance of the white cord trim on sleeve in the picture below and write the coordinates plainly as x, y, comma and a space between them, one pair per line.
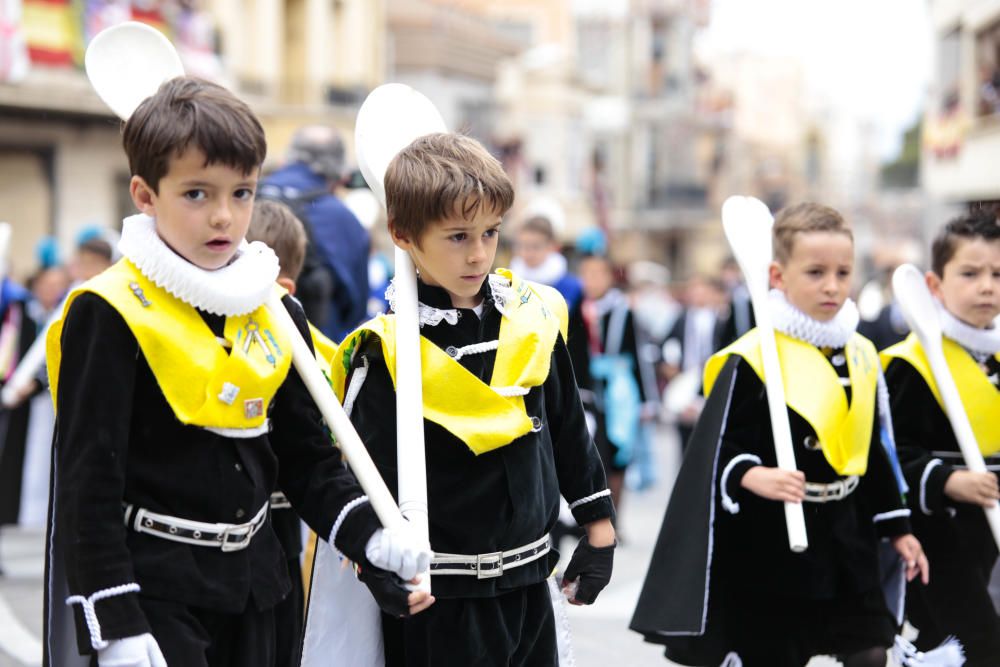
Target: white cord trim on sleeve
894, 514
357, 502
353, 389
728, 503
923, 485
507, 392
589, 499
90, 614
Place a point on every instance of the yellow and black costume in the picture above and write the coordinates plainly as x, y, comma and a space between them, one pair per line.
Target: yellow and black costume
505, 435
955, 535
723, 579
171, 417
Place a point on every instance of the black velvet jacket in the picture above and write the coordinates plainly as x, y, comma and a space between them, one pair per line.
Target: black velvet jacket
117, 440
504, 498
843, 535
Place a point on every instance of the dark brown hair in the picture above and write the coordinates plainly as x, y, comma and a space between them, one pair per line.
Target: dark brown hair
978, 224
274, 224
539, 225
187, 112
440, 176
803, 218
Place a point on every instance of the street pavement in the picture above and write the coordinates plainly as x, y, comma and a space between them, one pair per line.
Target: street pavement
600, 632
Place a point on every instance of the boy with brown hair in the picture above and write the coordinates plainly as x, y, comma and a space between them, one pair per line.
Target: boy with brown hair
723, 557
176, 402
504, 427
946, 498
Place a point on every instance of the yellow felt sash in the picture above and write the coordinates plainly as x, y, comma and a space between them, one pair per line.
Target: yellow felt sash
456, 399
980, 397
814, 392
204, 383
325, 349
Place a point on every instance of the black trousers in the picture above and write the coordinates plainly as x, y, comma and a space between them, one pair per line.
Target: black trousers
516, 629
193, 637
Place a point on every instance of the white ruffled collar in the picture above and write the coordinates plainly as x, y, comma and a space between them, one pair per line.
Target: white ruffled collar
500, 290
238, 288
981, 342
791, 321
548, 272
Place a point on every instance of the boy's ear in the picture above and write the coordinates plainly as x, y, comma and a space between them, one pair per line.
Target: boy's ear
287, 283
776, 276
933, 283
142, 196
402, 240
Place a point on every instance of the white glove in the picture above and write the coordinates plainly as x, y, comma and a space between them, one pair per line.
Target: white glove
140, 651
401, 551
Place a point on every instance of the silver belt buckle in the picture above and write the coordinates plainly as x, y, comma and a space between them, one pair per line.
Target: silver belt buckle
489, 559
242, 543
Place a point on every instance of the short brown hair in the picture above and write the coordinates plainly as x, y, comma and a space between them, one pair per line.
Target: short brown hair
978, 224
540, 225
804, 218
443, 175
274, 224
184, 112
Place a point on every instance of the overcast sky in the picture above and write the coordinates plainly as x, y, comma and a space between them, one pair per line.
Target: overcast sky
871, 58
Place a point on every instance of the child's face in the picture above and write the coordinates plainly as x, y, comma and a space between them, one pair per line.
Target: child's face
970, 286
456, 254
202, 211
532, 247
596, 277
816, 278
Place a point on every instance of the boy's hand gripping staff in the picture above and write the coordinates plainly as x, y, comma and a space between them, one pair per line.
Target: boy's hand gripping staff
392, 116
921, 314
126, 64
747, 224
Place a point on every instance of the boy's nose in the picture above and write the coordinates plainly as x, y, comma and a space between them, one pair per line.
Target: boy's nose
221, 216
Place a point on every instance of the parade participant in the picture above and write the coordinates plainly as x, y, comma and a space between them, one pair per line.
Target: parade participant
946, 499
723, 580
624, 380
504, 426
178, 412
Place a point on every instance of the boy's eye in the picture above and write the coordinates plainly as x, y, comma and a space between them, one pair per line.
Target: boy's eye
244, 193
458, 238
815, 272
490, 233
195, 195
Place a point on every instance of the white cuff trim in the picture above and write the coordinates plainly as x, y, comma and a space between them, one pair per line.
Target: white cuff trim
923, 485
894, 514
589, 499
353, 389
253, 432
357, 502
728, 503
90, 614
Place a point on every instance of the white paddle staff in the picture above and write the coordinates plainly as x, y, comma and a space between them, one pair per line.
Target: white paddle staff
921, 313
747, 223
392, 116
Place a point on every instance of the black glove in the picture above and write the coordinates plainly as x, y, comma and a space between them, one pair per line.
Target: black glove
592, 567
387, 589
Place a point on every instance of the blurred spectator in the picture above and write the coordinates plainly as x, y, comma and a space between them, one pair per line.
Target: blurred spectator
695, 336
739, 317
333, 285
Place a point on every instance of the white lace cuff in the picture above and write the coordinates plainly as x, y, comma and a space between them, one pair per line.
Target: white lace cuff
728, 503
90, 614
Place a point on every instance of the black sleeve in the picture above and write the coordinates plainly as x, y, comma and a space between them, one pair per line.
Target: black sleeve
916, 418
96, 379
744, 438
889, 513
578, 465
311, 471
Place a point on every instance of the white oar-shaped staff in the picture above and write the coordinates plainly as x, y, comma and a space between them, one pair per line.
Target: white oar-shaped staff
747, 223
390, 119
921, 313
126, 64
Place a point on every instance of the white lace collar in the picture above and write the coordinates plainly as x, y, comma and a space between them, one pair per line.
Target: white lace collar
236, 289
981, 342
548, 272
791, 321
500, 290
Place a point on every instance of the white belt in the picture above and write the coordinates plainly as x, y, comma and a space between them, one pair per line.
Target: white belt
279, 501
224, 536
491, 565
824, 493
